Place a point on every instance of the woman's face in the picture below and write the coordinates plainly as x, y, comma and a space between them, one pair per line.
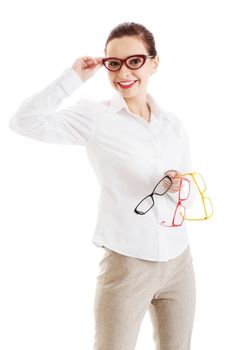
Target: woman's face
122, 48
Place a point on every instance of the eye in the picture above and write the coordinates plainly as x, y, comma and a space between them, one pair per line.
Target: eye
113, 63
135, 61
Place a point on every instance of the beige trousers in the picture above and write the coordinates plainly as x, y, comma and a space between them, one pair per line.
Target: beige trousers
127, 287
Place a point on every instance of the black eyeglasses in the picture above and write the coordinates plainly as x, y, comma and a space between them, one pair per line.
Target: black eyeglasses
148, 202
133, 62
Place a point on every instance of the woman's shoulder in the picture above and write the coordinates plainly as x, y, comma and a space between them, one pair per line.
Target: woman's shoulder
91, 102
172, 117
175, 121
100, 108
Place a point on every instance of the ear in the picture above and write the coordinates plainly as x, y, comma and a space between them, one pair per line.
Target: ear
155, 64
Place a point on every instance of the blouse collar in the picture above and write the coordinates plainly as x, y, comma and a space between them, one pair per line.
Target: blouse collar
118, 102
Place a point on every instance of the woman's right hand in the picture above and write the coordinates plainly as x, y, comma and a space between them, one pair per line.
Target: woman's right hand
176, 178
86, 66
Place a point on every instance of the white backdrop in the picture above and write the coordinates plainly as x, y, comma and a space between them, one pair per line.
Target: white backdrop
49, 193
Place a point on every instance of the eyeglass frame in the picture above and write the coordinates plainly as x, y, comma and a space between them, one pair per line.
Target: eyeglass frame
206, 217
179, 202
152, 194
202, 196
125, 61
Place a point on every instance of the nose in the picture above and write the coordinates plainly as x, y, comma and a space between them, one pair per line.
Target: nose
124, 70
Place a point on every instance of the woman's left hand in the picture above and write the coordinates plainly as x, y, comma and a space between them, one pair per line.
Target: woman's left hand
176, 178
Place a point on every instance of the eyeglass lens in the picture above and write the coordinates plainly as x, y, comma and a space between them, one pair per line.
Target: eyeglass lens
208, 205
161, 188
184, 190
200, 182
180, 212
145, 205
133, 62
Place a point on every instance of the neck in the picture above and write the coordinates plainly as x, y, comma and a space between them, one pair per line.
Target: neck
139, 106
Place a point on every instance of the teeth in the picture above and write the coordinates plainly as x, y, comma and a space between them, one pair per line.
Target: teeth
127, 83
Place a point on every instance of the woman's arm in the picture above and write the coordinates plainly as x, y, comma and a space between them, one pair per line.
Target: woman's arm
37, 116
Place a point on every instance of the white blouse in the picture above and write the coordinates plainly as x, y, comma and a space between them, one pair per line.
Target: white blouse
128, 155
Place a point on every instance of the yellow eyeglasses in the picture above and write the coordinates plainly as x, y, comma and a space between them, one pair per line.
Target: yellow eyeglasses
206, 201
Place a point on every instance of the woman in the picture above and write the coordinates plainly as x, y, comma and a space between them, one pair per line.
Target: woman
132, 143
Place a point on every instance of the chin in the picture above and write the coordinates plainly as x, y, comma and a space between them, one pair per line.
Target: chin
128, 92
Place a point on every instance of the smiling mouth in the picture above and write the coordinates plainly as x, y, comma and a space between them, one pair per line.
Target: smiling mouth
127, 85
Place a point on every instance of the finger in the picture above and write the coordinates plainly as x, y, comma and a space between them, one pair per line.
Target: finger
99, 59
172, 175
91, 63
175, 185
176, 182
175, 188
91, 60
172, 190
88, 61
96, 61
166, 183
171, 171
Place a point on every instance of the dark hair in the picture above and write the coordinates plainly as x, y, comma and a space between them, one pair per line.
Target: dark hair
134, 29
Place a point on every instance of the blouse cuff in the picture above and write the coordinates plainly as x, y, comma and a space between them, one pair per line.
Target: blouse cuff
69, 81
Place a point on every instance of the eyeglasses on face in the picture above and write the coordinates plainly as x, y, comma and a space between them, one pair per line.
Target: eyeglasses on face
132, 62
148, 202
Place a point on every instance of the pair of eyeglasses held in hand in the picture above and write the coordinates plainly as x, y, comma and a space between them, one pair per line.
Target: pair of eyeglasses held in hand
148, 202
206, 201
180, 209
183, 193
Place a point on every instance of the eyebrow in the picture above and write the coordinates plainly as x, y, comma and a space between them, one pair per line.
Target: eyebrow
135, 54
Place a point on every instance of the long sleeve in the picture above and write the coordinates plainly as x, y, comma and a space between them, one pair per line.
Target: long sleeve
185, 167
37, 117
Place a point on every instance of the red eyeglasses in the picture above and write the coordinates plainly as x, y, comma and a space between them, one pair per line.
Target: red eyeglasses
133, 62
179, 214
